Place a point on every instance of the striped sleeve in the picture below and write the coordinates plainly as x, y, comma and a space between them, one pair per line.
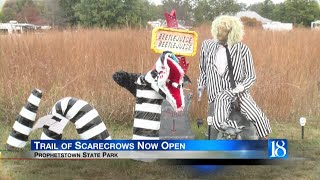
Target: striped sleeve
250, 75
203, 67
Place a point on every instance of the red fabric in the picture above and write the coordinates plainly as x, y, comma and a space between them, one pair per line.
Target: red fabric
183, 63
174, 76
171, 19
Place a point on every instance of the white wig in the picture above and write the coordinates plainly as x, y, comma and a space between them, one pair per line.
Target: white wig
230, 23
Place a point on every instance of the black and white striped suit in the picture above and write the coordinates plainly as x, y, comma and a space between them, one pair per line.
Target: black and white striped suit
146, 124
86, 119
219, 87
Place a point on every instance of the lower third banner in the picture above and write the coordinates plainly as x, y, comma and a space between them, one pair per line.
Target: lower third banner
158, 149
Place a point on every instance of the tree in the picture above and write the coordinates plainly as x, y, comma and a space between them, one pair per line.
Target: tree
279, 13
68, 11
9, 11
183, 8
298, 12
1, 17
137, 12
208, 10
112, 13
51, 11
301, 11
202, 11
102, 13
22, 11
265, 9
222, 7
154, 12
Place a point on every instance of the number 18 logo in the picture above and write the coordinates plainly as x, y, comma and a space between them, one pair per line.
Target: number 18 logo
277, 148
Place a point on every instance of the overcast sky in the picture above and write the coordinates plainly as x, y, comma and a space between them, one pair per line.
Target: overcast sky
239, 1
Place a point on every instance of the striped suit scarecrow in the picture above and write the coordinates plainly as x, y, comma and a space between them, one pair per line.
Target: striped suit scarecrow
227, 32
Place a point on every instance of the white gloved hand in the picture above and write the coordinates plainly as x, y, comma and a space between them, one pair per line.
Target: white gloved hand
210, 120
200, 92
239, 88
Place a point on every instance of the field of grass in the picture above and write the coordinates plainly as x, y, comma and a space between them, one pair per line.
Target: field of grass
80, 63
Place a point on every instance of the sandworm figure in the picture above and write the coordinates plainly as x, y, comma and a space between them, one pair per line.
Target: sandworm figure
85, 117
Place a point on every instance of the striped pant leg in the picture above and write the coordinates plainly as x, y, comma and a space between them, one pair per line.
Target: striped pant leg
222, 109
24, 122
253, 113
146, 123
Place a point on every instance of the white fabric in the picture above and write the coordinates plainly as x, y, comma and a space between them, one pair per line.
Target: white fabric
239, 88
34, 100
221, 60
12, 141
75, 108
137, 137
45, 137
150, 94
28, 114
163, 70
85, 119
45, 120
93, 131
59, 126
21, 128
146, 124
147, 107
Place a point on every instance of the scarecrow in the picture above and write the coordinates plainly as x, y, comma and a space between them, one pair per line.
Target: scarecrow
164, 81
227, 73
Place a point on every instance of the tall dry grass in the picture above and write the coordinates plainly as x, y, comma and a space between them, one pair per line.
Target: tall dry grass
81, 63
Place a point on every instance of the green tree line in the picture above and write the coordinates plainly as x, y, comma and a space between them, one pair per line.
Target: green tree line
133, 13
298, 12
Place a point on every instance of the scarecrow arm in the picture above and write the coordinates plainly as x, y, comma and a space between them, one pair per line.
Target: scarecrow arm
250, 75
202, 82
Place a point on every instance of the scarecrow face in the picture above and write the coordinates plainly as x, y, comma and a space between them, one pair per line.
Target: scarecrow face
223, 33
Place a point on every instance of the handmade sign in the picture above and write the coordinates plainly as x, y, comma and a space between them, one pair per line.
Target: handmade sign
179, 42
176, 125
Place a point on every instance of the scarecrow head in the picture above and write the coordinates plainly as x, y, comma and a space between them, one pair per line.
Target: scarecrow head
167, 77
227, 29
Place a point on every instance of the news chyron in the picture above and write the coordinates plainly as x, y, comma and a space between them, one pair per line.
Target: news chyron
162, 149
